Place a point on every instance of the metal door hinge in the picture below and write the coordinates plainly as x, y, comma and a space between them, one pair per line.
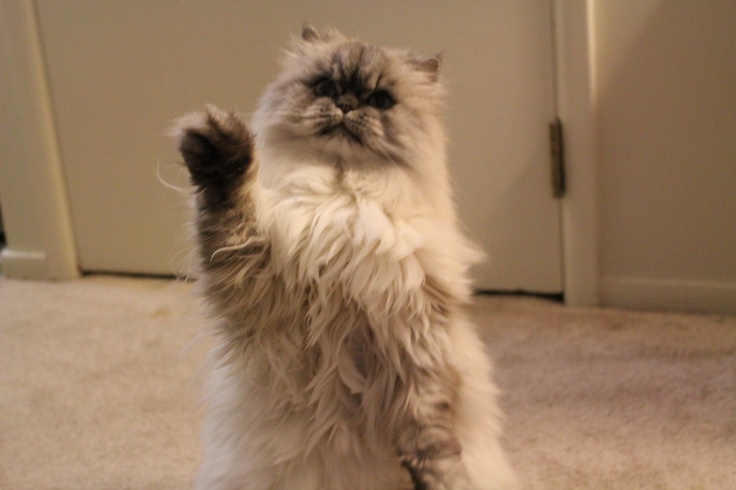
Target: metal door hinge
557, 158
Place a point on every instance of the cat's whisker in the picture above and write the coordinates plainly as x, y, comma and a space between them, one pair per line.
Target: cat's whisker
184, 191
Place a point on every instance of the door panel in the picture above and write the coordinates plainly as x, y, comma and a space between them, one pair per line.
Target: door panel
121, 71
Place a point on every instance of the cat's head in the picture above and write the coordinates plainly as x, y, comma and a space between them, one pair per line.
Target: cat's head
339, 99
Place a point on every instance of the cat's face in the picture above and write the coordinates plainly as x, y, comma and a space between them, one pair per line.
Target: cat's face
345, 100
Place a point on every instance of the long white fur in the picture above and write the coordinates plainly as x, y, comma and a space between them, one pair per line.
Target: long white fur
357, 257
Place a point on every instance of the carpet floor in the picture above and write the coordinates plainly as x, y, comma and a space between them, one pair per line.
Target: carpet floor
99, 389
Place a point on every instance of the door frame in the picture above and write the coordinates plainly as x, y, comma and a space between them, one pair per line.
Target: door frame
36, 215
51, 254
574, 39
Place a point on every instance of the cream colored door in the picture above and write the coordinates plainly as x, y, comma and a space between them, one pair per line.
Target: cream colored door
120, 71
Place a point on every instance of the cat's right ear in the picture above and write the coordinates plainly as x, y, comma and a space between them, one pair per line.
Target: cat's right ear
309, 33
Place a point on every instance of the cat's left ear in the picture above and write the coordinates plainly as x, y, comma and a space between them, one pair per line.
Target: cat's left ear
428, 64
309, 33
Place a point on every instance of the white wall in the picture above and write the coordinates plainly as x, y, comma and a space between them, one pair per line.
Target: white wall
665, 83
652, 200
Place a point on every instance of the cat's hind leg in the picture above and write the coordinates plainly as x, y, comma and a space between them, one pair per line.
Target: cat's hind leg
427, 444
448, 437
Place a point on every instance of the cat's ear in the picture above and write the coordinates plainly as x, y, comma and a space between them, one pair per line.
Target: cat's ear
428, 64
309, 33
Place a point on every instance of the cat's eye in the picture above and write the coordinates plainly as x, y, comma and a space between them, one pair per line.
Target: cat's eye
381, 99
325, 87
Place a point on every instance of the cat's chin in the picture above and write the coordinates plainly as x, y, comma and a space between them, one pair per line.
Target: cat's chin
336, 145
340, 145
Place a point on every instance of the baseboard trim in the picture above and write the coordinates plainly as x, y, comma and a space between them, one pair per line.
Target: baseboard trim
671, 295
21, 264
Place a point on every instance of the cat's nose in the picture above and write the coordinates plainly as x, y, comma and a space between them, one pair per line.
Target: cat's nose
347, 103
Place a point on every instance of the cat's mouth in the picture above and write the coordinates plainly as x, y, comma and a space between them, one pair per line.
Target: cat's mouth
341, 131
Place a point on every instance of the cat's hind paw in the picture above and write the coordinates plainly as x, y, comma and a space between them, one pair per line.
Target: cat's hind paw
216, 145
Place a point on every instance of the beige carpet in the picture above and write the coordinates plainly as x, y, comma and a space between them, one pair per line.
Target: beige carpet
98, 390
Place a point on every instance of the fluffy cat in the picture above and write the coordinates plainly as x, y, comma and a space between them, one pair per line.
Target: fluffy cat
335, 274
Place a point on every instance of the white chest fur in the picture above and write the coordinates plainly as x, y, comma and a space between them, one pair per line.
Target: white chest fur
358, 238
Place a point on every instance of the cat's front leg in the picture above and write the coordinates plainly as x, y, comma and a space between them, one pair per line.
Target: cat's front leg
217, 147
218, 151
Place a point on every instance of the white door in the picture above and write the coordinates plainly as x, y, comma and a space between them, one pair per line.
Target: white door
121, 71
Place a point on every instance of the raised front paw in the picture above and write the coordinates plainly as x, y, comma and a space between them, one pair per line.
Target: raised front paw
217, 148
